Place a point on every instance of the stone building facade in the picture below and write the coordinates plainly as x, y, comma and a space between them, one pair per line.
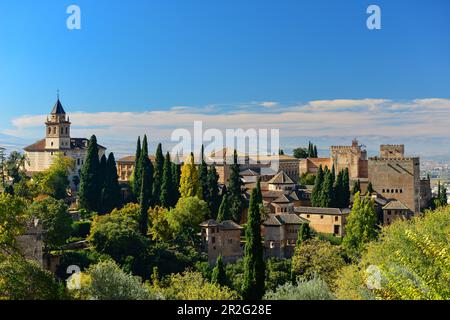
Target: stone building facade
325, 220
58, 140
353, 157
280, 232
396, 177
221, 239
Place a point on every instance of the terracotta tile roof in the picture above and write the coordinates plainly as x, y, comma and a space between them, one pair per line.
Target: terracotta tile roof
36, 147
281, 178
284, 218
284, 198
132, 158
226, 225
75, 143
395, 205
321, 211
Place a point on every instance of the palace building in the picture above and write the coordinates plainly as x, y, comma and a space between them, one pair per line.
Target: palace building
57, 140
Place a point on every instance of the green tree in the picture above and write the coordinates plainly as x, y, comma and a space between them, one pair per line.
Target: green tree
327, 192
107, 281
253, 287
356, 187
158, 175
111, 193
192, 286
189, 184
370, 188
15, 166
361, 227
219, 275
54, 181
300, 153
316, 192
304, 234
119, 236
224, 210
13, 219
409, 262
145, 197
185, 218
21, 279
307, 179
176, 174
168, 191
346, 189
339, 200
203, 177
55, 219
89, 194
316, 155
159, 227
317, 258
443, 196
136, 178
235, 190
314, 289
213, 191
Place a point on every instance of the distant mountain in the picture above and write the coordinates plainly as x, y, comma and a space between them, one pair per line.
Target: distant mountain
11, 143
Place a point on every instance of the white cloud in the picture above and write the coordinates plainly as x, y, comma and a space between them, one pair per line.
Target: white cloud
401, 120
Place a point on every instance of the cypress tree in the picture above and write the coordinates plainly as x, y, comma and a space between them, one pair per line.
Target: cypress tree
443, 195
316, 155
136, 185
304, 233
369, 188
326, 194
167, 198
219, 275
339, 201
346, 188
224, 209
253, 286
189, 184
90, 182
145, 198
310, 150
176, 173
203, 178
213, 191
111, 195
143, 161
356, 187
315, 196
235, 190
158, 174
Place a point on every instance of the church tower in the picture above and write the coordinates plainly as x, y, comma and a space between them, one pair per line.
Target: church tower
57, 135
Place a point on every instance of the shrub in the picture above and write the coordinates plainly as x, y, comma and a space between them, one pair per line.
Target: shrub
314, 289
81, 229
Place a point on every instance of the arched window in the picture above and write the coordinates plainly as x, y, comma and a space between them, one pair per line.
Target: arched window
54, 130
67, 130
49, 130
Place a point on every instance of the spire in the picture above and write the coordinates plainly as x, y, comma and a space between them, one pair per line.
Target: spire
58, 108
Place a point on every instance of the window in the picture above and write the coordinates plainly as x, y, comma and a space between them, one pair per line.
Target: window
321, 217
67, 130
384, 190
401, 190
308, 216
392, 191
396, 190
271, 245
49, 130
54, 130
336, 218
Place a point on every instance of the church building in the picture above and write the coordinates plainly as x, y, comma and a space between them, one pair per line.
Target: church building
57, 140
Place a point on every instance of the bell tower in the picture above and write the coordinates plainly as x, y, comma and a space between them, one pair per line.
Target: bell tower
57, 134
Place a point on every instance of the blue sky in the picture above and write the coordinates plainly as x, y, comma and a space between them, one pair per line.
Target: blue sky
219, 57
